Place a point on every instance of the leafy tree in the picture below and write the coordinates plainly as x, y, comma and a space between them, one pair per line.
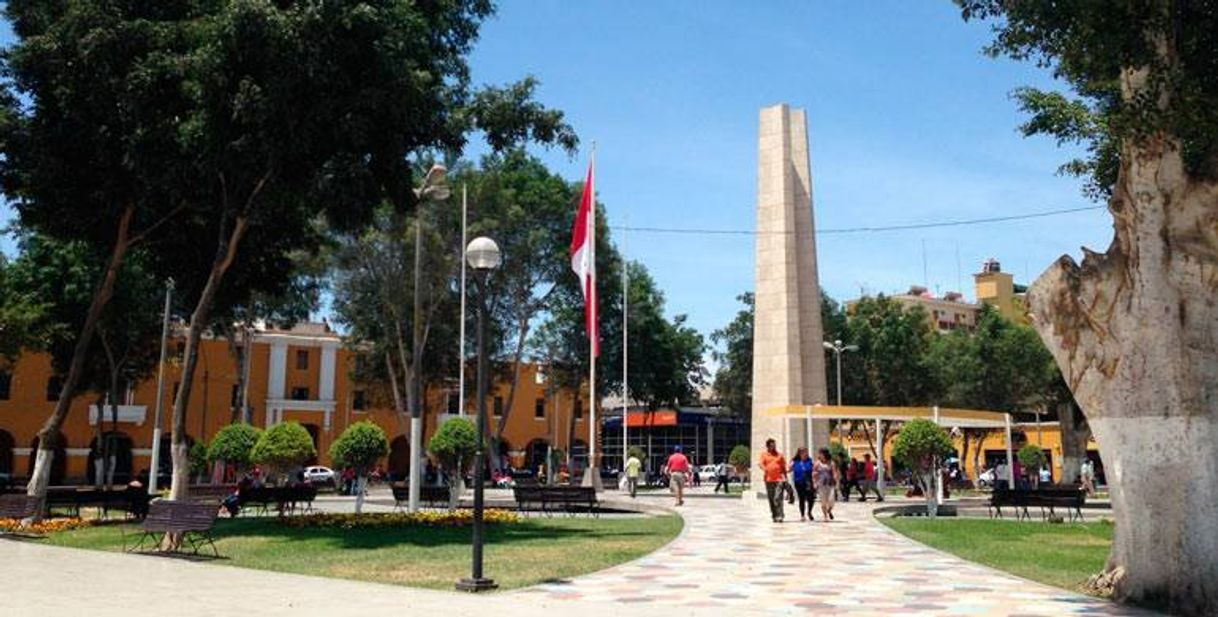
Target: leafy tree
1145, 104
740, 458
838, 452
453, 446
282, 447
734, 353
893, 341
198, 459
1031, 457
921, 445
19, 314
88, 117
527, 210
361, 445
234, 444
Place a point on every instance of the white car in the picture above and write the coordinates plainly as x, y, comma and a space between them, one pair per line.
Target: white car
986, 479
706, 473
319, 475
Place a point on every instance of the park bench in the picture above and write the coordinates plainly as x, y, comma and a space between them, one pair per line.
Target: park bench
548, 498
1047, 498
17, 506
193, 520
210, 493
429, 496
293, 497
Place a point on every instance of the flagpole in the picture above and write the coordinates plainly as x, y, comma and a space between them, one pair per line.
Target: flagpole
461, 349
625, 350
592, 468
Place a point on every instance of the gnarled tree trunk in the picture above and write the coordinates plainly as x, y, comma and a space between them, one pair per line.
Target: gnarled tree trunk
1135, 331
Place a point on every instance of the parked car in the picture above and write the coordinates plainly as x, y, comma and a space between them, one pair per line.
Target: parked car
319, 475
706, 473
986, 479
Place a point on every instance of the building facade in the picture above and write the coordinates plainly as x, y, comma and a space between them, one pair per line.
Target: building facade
301, 375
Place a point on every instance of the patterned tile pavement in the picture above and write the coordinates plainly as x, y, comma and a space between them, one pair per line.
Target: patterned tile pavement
731, 559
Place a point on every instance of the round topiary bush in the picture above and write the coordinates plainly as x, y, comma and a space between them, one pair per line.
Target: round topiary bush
1031, 456
233, 444
360, 446
739, 458
454, 444
921, 445
283, 446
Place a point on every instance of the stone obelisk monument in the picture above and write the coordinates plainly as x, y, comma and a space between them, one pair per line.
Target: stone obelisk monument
788, 351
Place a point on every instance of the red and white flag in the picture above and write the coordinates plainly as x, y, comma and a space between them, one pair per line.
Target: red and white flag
583, 258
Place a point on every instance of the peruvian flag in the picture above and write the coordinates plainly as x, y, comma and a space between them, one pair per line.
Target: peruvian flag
583, 258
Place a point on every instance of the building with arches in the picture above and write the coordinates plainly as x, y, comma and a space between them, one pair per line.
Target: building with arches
302, 375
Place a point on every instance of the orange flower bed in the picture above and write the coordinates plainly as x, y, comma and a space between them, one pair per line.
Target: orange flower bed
12, 525
460, 518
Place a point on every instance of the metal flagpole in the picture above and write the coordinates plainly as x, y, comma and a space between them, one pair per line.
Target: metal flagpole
160, 394
591, 469
461, 349
625, 348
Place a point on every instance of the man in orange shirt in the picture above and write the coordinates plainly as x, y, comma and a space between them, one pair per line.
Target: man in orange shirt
774, 471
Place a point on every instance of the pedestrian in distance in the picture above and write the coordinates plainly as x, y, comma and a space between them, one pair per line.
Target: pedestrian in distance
825, 476
677, 469
633, 466
1087, 476
774, 472
801, 477
723, 475
870, 478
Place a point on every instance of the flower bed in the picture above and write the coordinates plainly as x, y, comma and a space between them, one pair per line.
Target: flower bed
13, 525
459, 518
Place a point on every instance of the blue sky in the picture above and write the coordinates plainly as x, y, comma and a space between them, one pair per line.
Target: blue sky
908, 123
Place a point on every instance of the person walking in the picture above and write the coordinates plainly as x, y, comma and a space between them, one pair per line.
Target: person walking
869, 479
723, 475
1087, 476
677, 469
825, 476
801, 477
774, 472
633, 466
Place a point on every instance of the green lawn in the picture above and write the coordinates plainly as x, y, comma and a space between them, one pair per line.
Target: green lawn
1061, 555
517, 555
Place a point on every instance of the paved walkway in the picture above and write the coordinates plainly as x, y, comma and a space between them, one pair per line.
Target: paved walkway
729, 561
730, 558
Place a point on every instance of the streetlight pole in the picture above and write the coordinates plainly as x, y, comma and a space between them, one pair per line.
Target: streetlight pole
431, 189
483, 256
160, 393
837, 348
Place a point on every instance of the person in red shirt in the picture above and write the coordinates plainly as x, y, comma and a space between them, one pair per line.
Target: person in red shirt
677, 469
774, 472
869, 479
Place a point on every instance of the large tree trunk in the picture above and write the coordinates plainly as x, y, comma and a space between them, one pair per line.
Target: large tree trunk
180, 451
48, 436
1075, 433
1135, 331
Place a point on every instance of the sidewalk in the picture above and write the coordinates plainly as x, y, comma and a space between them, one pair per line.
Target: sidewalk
729, 560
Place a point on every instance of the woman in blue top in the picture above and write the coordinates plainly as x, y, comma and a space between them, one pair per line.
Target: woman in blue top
801, 475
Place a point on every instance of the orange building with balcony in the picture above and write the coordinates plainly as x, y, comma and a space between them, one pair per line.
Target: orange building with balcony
301, 375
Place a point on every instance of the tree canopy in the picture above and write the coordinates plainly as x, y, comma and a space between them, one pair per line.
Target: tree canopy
361, 445
283, 446
234, 444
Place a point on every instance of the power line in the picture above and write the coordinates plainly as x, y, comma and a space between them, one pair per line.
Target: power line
854, 230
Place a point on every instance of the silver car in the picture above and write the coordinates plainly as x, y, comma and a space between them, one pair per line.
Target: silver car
319, 475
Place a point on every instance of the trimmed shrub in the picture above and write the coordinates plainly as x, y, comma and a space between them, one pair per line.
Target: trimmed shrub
740, 458
360, 446
233, 444
454, 444
283, 446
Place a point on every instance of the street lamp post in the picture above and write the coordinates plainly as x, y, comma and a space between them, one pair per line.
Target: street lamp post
837, 348
483, 256
432, 189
